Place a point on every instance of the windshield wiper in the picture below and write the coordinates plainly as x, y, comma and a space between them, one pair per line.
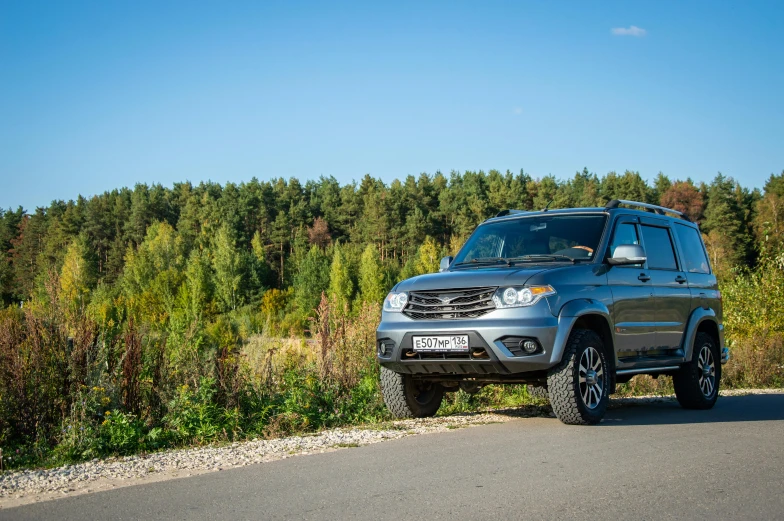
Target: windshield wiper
484, 260
542, 257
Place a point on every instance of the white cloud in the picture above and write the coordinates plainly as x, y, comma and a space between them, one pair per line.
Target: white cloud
632, 30
517, 111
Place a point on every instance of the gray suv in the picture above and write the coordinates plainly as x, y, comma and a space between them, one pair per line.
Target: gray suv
571, 302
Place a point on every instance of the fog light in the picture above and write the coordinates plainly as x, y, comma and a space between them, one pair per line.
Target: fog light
529, 346
382, 348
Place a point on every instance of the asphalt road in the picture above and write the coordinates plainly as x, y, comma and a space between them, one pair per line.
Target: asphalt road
646, 462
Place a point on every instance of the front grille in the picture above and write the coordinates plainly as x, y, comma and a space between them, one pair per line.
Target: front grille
449, 304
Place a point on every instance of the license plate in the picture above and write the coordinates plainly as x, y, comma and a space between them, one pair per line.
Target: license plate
441, 343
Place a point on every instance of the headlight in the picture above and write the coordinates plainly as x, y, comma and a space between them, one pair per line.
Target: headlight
395, 302
517, 296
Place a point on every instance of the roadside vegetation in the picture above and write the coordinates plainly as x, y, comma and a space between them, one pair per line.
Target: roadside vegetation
149, 318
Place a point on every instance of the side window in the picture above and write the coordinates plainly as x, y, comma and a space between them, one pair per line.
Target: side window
625, 233
658, 248
694, 260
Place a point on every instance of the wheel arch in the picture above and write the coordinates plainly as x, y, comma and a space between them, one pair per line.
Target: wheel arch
586, 314
702, 321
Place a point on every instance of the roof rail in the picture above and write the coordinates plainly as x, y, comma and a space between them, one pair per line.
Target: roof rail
509, 212
661, 210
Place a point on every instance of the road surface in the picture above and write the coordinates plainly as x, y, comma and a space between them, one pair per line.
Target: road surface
648, 462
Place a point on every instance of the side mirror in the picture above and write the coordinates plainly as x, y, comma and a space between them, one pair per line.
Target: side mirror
626, 254
445, 262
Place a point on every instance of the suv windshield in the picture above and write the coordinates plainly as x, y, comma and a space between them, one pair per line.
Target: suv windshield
544, 238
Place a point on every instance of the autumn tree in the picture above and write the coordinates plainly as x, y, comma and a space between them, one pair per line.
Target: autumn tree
684, 197
318, 234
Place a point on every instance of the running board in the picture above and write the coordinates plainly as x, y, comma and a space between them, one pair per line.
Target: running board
640, 370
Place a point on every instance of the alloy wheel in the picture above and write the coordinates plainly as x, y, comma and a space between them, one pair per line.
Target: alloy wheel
707, 367
591, 377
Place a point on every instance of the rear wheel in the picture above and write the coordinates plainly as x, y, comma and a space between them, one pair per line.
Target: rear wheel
697, 382
409, 398
579, 386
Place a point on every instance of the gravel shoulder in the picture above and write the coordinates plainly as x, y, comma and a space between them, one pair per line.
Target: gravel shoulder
30, 486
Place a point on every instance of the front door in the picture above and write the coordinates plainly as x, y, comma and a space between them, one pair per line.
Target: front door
633, 296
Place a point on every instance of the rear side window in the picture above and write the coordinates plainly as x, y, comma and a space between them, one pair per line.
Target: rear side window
658, 248
694, 259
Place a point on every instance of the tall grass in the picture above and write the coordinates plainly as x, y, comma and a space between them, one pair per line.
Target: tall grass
83, 387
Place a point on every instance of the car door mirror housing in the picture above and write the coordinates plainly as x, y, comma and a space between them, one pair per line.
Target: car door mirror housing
445, 262
626, 254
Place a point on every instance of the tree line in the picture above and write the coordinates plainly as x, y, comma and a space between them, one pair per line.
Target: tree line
260, 235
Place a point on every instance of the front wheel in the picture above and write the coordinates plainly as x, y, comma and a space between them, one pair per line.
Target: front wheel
697, 382
579, 386
409, 398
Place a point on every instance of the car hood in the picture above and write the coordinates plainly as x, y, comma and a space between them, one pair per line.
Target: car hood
471, 278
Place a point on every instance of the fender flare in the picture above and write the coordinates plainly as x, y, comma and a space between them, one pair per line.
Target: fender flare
697, 318
568, 315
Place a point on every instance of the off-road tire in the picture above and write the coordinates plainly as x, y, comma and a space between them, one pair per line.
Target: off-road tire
408, 398
563, 381
537, 391
687, 380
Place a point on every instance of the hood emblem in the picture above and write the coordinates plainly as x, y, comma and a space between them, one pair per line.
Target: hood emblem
447, 300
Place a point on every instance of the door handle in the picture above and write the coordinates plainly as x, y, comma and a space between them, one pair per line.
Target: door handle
680, 279
643, 277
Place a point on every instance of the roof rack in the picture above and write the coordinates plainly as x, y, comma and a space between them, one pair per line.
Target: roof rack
509, 212
661, 210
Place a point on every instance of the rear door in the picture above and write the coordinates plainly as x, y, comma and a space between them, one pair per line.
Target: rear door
633, 296
673, 298
702, 283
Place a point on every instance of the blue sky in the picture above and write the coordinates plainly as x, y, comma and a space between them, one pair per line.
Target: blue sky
95, 96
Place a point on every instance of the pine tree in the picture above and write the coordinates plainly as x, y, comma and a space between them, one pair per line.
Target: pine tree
724, 225
311, 280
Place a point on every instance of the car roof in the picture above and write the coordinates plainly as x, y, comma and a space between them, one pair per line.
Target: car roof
522, 214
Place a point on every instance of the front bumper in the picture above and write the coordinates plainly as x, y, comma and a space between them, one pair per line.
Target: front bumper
485, 334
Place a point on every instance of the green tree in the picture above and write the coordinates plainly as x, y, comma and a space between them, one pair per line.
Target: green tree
725, 226
311, 280
769, 221
427, 257
371, 276
228, 270
341, 287
153, 275
77, 278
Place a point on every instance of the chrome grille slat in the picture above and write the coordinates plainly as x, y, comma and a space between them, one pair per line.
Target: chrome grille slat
461, 303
